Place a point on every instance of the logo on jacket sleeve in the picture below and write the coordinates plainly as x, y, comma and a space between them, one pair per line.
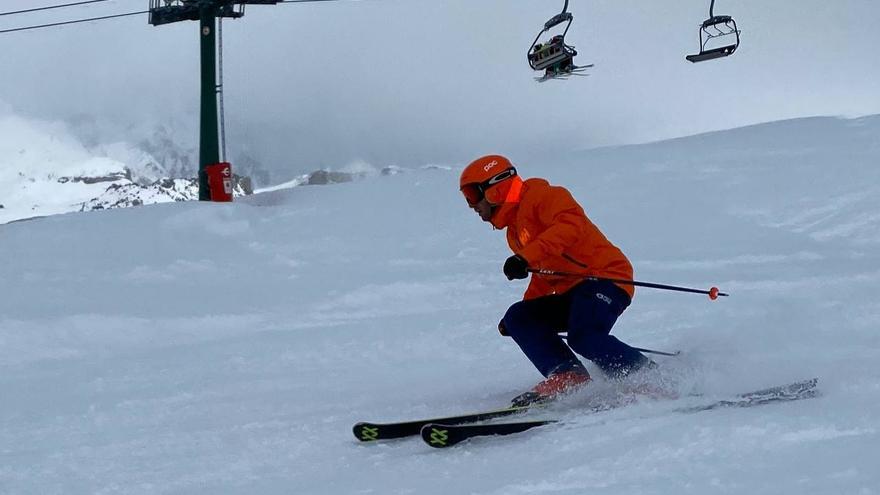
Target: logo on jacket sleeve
523, 236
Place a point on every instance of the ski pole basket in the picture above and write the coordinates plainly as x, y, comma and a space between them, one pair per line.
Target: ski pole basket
721, 30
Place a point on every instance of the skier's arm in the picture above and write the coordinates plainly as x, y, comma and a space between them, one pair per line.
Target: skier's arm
567, 225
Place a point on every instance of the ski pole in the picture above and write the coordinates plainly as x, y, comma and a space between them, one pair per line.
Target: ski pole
640, 349
712, 292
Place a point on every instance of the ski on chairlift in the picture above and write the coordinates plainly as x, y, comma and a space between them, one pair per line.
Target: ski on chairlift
554, 56
723, 34
561, 76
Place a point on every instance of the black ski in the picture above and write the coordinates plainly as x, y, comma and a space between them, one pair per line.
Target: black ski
793, 391
368, 432
440, 435
564, 74
444, 435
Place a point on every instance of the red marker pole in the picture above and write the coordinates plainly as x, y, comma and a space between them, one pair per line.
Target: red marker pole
713, 292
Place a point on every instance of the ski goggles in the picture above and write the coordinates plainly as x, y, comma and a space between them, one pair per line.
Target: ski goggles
474, 193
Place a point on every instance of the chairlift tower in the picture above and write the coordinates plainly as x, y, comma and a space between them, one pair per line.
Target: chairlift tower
206, 12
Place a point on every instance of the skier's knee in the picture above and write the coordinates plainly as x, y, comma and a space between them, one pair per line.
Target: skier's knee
513, 318
586, 344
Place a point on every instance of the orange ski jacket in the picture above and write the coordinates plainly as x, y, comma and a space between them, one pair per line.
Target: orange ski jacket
547, 227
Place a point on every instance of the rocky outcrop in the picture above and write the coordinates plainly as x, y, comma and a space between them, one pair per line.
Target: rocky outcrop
95, 180
125, 194
324, 177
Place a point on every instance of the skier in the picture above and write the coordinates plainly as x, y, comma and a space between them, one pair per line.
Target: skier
548, 230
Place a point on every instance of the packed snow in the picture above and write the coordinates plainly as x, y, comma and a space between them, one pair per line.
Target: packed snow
229, 348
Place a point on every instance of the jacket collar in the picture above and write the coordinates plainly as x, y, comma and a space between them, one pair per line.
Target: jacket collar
506, 211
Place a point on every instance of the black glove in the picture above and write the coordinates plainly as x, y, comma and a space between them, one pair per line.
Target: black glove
516, 268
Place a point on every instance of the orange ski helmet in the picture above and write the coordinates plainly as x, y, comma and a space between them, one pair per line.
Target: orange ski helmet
487, 177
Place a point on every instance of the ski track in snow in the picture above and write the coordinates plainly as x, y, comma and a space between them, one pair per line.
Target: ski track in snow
200, 348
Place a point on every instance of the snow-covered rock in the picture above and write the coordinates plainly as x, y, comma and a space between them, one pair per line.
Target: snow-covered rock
46, 169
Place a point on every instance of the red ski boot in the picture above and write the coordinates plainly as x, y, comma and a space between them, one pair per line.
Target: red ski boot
554, 386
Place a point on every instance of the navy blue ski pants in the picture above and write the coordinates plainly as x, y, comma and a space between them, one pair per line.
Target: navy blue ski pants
587, 312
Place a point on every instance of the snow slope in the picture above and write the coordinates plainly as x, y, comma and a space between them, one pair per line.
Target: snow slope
228, 348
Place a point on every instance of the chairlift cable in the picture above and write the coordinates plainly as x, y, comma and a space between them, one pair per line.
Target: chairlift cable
37, 9
309, 1
53, 24
99, 18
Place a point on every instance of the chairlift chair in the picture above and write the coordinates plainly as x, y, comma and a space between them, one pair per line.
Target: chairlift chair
554, 56
716, 27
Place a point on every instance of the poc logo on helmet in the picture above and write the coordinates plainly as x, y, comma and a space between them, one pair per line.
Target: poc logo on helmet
603, 297
489, 165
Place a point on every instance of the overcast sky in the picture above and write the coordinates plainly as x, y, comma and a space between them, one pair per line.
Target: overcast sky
410, 82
